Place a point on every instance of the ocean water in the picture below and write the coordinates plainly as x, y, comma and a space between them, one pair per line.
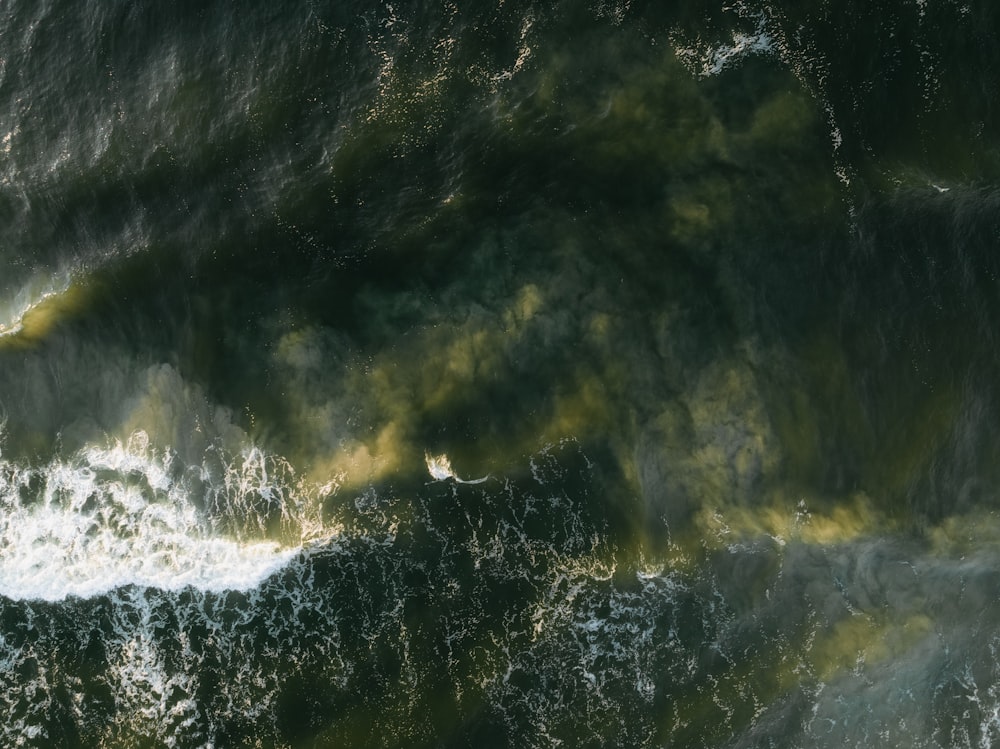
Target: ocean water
499, 374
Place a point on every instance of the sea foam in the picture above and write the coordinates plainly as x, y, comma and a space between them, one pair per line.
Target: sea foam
125, 514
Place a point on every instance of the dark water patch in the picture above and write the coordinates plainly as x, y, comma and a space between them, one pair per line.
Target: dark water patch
696, 301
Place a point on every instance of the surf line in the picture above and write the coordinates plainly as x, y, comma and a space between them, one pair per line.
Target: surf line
439, 467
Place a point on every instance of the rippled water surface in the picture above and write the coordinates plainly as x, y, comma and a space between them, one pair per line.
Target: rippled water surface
499, 374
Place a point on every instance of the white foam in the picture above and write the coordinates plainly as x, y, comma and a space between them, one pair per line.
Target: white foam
523, 52
439, 467
30, 296
707, 60
114, 516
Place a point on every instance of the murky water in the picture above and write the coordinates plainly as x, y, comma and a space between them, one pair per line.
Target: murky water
499, 375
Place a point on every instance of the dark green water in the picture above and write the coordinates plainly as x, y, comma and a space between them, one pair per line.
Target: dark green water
499, 374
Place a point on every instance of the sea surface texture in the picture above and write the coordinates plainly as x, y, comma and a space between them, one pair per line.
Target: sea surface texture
586, 373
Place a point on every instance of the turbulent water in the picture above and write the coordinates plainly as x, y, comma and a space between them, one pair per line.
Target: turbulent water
499, 374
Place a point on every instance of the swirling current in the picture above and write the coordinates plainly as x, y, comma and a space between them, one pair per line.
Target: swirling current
499, 374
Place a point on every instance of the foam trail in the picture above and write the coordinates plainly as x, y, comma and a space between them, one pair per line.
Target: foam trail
33, 296
123, 515
706, 61
38, 305
439, 467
